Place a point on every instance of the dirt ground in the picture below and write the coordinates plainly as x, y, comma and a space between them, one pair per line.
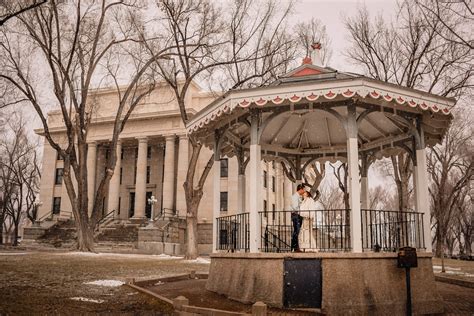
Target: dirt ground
33, 283
54, 283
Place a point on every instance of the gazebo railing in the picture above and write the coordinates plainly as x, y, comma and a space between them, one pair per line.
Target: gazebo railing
233, 232
389, 230
323, 230
320, 230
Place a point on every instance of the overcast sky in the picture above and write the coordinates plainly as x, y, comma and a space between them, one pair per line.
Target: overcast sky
331, 13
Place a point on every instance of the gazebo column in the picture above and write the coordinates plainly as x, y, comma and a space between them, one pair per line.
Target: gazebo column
421, 191
255, 173
216, 191
354, 184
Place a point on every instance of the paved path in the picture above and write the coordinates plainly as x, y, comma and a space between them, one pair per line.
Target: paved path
458, 300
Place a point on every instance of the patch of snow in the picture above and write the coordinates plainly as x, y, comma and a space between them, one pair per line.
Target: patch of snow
446, 268
110, 283
134, 293
85, 299
200, 260
159, 283
13, 253
122, 255
164, 256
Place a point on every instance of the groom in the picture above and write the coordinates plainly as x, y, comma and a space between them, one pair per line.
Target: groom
296, 218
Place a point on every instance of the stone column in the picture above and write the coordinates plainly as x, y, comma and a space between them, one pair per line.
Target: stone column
354, 185
255, 175
140, 182
91, 170
216, 193
168, 177
114, 185
422, 195
183, 162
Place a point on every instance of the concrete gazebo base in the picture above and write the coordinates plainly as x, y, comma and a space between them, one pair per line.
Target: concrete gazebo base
337, 283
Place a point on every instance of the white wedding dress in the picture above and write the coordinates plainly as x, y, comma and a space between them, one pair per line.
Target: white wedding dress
307, 210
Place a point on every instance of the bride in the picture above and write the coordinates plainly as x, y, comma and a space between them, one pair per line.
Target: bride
308, 210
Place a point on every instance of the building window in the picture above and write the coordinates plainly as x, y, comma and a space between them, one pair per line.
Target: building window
224, 196
265, 175
56, 205
273, 183
148, 152
107, 153
121, 175
135, 175
148, 172
136, 153
224, 168
121, 154
265, 206
273, 211
58, 156
58, 179
120, 202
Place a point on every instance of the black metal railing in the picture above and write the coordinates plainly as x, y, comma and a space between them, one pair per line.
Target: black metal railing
389, 230
233, 232
320, 230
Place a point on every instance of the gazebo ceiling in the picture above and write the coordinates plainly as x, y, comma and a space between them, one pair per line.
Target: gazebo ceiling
305, 116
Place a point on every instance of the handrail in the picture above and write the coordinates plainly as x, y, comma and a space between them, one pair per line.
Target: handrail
103, 218
42, 218
280, 241
166, 211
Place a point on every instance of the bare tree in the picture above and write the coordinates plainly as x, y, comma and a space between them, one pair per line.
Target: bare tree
341, 175
67, 49
331, 196
412, 52
451, 167
242, 46
19, 174
381, 199
464, 221
312, 32
9, 12
456, 18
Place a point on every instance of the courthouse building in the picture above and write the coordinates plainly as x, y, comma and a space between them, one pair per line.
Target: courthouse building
154, 143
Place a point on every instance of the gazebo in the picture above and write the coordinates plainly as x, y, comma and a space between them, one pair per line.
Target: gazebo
313, 114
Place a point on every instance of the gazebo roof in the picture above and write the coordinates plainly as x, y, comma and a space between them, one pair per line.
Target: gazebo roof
301, 113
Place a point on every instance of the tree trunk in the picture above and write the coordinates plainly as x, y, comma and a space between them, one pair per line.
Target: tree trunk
192, 240
85, 236
1, 229
439, 243
15, 236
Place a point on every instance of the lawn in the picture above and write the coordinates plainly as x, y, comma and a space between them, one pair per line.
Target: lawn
77, 283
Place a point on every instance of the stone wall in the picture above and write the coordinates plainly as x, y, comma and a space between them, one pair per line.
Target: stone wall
352, 283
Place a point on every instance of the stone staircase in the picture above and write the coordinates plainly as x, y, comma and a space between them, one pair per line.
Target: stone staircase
118, 233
